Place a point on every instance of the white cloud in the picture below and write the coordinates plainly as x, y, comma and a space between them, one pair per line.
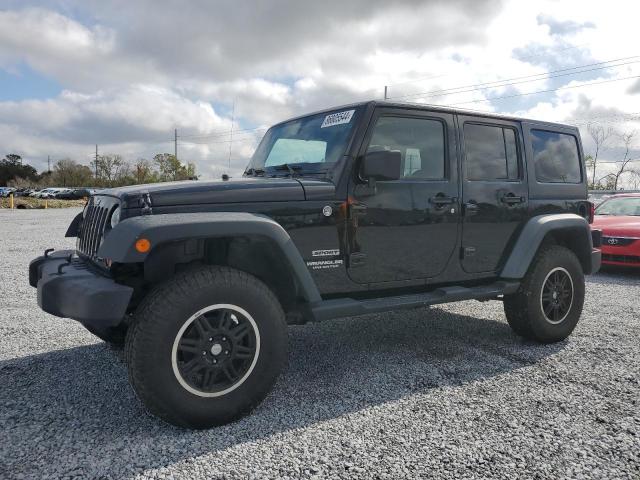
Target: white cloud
134, 71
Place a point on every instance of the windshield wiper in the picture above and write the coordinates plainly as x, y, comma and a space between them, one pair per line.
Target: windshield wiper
254, 171
292, 169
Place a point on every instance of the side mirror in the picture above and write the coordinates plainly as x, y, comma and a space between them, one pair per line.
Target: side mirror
382, 165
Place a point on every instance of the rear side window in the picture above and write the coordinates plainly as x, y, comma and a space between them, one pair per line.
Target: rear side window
555, 156
491, 152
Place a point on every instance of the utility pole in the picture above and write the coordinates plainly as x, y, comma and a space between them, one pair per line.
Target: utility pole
233, 113
48, 164
96, 161
385, 92
175, 143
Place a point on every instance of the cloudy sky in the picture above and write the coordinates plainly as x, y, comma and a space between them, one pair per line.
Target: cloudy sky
124, 74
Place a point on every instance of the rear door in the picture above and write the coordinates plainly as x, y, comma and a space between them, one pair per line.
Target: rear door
406, 229
494, 191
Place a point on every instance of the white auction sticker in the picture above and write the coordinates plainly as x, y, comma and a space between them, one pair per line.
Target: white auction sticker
337, 118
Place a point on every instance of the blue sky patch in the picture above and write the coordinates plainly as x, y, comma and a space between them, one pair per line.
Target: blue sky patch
22, 83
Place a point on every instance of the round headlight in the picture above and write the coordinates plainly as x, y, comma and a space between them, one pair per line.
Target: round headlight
115, 217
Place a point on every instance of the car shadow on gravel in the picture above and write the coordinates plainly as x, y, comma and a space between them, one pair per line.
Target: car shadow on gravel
72, 411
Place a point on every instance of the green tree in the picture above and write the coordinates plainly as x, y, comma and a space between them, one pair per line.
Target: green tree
170, 168
11, 167
68, 173
143, 171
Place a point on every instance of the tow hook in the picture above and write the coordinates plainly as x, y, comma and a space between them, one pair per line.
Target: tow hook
67, 263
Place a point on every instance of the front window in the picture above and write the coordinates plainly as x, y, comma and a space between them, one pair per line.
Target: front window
420, 141
308, 145
620, 206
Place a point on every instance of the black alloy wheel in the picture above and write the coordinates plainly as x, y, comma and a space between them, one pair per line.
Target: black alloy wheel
556, 297
215, 350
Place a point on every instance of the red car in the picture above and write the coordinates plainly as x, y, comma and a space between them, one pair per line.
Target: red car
619, 219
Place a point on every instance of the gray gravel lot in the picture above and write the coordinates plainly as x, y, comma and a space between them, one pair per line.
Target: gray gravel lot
445, 392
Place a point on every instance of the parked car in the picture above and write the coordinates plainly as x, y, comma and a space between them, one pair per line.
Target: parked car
403, 206
6, 191
23, 192
42, 193
48, 192
61, 193
619, 219
74, 194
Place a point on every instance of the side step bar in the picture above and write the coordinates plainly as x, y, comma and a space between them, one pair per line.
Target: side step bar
348, 307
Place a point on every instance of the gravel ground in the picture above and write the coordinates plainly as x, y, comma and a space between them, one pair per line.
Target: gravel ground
445, 392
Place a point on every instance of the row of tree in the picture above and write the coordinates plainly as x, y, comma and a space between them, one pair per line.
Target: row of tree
104, 171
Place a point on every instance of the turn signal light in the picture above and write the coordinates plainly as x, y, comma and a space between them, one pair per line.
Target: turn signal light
143, 245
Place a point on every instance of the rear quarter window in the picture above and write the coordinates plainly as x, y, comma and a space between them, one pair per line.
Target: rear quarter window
555, 156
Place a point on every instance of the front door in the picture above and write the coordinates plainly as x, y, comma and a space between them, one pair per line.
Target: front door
406, 229
494, 191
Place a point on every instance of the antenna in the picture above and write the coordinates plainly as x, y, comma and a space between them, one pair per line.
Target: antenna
233, 113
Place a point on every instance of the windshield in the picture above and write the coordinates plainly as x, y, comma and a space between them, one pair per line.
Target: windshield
308, 145
620, 206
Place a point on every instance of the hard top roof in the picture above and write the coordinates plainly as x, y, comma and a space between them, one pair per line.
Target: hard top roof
433, 108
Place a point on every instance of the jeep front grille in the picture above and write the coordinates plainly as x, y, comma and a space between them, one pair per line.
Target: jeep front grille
92, 229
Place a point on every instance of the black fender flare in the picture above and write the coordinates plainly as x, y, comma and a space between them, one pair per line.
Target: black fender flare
119, 243
533, 234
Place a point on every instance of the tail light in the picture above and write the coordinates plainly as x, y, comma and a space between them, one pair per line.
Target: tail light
591, 212
587, 210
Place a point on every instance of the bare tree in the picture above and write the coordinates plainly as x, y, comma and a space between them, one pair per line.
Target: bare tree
635, 178
600, 136
622, 166
108, 167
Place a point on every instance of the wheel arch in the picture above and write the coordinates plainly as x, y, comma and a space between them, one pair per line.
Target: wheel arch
567, 229
252, 243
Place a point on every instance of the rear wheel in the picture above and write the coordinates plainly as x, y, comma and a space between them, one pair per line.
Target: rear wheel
548, 304
206, 347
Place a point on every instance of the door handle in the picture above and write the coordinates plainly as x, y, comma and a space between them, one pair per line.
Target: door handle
441, 200
470, 208
511, 199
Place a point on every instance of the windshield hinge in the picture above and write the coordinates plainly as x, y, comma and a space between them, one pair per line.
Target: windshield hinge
145, 202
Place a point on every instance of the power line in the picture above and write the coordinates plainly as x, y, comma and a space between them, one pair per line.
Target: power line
546, 91
235, 139
449, 74
503, 82
222, 133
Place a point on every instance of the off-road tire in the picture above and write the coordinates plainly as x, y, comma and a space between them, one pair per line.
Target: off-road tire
158, 321
524, 309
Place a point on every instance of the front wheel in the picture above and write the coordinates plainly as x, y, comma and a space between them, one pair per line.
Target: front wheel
206, 347
548, 304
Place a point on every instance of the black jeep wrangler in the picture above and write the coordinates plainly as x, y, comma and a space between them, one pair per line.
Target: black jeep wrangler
366, 208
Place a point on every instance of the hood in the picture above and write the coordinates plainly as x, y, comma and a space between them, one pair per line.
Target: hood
617, 225
238, 190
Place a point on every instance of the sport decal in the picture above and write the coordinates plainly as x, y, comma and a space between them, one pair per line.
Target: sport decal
325, 253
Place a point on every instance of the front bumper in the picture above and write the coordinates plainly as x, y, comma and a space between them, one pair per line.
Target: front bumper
68, 288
